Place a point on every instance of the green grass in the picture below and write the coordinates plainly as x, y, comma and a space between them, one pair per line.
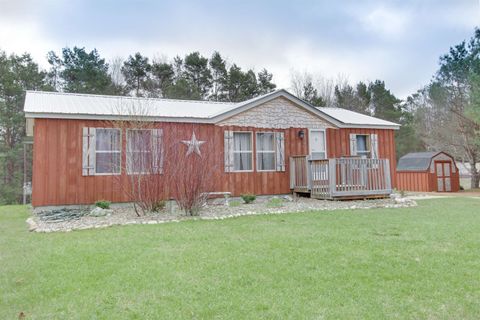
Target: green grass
414, 263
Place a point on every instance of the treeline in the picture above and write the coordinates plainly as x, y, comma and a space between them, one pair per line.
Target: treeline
80, 71
191, 77
369, 98
443, 115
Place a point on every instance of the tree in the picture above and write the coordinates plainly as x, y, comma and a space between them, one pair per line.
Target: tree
316, 90
383, 103
265, 84
84, 72
219, 77
17, 74
197, 72
182, 89
163, 77
54, 73
356, 99
136, 71
457, 79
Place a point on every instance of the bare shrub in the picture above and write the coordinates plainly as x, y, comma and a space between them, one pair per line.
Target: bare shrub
192, 175
142, 181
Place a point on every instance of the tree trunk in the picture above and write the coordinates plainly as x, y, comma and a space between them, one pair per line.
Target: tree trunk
474, 183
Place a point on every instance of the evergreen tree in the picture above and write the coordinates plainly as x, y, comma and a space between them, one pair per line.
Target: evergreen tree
219, 77
136, 71
196, 71
85, 72
265, 84
310, 94
17, 74
163, 76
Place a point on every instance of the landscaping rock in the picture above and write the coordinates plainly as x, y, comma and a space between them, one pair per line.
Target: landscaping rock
99, 212
67, 220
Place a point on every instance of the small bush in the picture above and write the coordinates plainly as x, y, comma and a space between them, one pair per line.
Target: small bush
234, 203
402, 193
158, 206
462, 188
275, 203
248, 197
104, 204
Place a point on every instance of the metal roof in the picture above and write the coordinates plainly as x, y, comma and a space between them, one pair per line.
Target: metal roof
351, 117
39, 104
416, 161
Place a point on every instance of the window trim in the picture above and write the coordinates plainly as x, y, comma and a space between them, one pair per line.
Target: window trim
127, 151
368, 144
251, 151
324, 141
274, 152
106, 151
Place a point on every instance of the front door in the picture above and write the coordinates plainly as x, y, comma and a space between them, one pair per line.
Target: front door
318, 151
317, 144
443, 175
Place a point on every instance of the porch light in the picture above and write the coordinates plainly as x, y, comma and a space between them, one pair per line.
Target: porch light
301, 134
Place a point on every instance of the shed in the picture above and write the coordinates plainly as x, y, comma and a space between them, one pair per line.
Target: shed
427, 172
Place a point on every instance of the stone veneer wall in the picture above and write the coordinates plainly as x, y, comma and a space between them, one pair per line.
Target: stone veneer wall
278, 113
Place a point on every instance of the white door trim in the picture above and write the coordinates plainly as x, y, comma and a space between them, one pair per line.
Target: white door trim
324, 141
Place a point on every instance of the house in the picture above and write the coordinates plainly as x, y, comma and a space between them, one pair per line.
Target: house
271, 144
427, 172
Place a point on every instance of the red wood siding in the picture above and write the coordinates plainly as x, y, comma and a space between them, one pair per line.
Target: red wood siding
423, 181
57, 160
57, 164
338, 145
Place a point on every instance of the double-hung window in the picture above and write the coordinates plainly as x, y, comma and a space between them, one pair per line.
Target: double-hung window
139, 151
363, 146
242, 151
265, 151
107, 151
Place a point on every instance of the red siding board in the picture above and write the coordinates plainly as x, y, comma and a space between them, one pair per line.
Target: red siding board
57, 165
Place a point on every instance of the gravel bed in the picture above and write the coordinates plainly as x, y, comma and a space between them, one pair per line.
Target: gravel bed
125, 215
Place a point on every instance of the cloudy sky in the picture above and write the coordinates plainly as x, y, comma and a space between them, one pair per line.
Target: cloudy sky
396, 41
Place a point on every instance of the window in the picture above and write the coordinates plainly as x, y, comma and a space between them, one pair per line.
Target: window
363, 145
242, 151
265, 151
107, 151
139, 151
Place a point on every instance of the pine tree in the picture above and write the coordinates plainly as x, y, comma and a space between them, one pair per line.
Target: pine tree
136, 71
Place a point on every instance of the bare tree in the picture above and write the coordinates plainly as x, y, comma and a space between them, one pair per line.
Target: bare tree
115, 70
303, 83
159, 165
192, 172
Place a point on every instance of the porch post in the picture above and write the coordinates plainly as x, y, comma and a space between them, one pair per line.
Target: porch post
386, 170
332, 176
308, 163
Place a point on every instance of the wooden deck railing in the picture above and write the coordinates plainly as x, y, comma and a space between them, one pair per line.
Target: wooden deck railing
340, 177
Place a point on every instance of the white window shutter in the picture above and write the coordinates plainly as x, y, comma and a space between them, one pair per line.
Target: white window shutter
374, 145
228, 150
353, 144
88, 152
157, 150
280, 150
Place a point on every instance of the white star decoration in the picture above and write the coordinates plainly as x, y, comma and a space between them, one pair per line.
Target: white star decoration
193, 145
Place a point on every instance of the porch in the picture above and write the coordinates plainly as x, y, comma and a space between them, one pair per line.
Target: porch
340, 178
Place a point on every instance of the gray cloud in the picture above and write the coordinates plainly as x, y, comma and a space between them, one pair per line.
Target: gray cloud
396, 41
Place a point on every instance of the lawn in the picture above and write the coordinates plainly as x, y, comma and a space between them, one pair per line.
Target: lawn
408, 263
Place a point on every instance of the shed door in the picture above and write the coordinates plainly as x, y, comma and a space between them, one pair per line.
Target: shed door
443, 173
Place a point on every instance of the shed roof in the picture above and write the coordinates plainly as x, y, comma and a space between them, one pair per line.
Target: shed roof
416, 161
39, 104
